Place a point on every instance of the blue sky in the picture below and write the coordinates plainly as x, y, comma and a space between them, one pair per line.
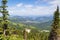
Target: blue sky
32, 7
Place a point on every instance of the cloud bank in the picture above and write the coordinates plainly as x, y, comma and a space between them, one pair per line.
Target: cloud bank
22, 9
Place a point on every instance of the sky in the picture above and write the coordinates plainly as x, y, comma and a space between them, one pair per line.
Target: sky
32, 7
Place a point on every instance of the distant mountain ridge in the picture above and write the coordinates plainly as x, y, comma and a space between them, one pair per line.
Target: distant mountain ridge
33, 18
36, 21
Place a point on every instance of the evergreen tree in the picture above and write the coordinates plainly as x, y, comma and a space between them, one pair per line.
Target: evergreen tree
55, 26
5, 16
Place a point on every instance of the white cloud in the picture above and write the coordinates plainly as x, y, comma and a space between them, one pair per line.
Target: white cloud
19, 5
28, 6
29, 9
36, 10
55, 2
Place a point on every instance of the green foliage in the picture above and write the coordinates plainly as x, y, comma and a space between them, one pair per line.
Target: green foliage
15, 30
33, 35
4, 12
55, 26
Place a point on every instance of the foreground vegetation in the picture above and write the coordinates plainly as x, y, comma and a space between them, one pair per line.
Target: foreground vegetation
33, 35
13, 31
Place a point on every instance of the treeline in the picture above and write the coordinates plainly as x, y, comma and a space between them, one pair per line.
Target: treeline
19, 35
16, 32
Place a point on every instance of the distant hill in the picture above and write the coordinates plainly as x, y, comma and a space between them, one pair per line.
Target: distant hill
35, 21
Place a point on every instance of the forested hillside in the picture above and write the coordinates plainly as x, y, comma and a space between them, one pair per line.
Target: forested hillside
37, 22
16, 29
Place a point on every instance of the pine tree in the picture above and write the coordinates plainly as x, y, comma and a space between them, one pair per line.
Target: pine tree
5, 16
55, 26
